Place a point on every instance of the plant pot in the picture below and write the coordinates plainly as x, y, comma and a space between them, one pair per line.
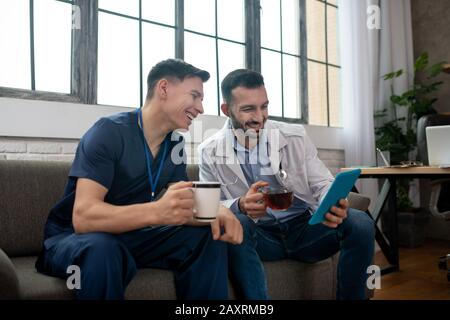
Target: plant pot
412, 227
411, 224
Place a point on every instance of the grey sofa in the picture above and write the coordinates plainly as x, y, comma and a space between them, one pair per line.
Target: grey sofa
28, 189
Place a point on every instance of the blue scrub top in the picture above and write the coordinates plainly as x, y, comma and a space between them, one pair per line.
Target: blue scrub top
111, 153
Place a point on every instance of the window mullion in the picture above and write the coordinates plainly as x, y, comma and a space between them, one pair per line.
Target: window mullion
217, 59
141, 89
326, 65
253, 35
84, 54
281, 60
179, 29
32, 65
303, 62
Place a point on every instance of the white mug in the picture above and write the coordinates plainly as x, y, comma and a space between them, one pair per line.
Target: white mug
207, 200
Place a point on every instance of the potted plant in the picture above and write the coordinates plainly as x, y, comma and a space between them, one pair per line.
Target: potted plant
396, 134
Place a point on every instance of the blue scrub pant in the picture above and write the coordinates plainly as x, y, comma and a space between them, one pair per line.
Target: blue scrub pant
108, 262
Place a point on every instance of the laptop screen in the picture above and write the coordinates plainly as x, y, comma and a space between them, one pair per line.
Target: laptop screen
438, 144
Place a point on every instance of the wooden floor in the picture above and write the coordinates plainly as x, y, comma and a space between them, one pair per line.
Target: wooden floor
419, 277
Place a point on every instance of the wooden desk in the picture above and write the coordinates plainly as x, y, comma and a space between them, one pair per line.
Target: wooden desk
388, 194
377, 172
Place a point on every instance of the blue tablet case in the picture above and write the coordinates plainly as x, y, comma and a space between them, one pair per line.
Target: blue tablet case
339, 189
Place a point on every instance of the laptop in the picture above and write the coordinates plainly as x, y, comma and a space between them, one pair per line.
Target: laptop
438, 143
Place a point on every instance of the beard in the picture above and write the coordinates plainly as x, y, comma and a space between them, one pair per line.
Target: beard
235, 123
246, 137
239, 126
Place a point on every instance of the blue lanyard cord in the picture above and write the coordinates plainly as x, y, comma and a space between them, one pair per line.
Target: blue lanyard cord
147, 160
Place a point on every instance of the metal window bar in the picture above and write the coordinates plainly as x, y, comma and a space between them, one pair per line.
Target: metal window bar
217, 58
281, 58
32, 66
326, 62
179, 38
326, 65
216, 38
252, 13
65, 1
328, 3
303, 72
140, 21
179, 31
141, 89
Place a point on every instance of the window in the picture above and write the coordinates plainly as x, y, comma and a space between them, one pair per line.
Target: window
36, 44
280, 56
213, 43
294, 43
133, 36
323, 63
287, 28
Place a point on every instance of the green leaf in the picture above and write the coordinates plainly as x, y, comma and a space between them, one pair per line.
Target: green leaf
392, 75
421, 62
436, 69
400, 100
388, 76
399, 73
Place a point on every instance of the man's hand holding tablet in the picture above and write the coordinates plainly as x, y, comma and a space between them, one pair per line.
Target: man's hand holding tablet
333, 208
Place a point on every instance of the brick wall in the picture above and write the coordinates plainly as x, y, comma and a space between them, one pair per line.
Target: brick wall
64, 150
37, 149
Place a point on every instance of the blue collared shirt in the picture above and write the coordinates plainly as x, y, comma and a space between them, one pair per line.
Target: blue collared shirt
255, 165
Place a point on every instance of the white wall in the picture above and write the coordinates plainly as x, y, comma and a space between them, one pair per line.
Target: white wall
47, 130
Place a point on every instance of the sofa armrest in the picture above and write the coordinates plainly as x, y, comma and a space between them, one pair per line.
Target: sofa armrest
358, 201
9, 282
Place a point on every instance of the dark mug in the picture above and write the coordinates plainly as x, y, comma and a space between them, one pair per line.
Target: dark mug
277, 198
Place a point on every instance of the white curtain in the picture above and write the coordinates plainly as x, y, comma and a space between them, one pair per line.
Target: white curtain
366, 55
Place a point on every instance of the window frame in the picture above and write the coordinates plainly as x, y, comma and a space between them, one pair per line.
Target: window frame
216, 38
326, 62
303, 65
84, 55
33, 94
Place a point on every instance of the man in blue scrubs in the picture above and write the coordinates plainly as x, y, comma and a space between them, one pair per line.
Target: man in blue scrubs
115, 217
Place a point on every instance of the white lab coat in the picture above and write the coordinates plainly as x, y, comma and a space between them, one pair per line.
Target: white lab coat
309, 178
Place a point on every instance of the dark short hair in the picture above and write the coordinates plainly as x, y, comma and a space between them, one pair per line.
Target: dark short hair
240, 78
172, 69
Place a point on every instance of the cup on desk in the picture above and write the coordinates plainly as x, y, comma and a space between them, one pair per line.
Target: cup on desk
207, 200
278, 198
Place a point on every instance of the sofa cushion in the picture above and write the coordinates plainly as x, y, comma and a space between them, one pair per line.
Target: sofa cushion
147, 284
286, 279
35, 187
289, 279
34, 285
28, 190
9, 282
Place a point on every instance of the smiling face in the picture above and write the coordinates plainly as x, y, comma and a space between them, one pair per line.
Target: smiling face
182, 101
248, 109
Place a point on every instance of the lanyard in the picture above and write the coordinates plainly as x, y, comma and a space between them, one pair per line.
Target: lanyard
147, 160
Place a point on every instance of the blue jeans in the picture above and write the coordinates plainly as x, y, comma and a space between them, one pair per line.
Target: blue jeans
296, 239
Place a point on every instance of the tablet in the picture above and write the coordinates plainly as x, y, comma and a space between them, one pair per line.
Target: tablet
340, 188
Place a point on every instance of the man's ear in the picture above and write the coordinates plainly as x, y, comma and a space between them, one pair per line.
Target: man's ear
161, 88
225, 109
